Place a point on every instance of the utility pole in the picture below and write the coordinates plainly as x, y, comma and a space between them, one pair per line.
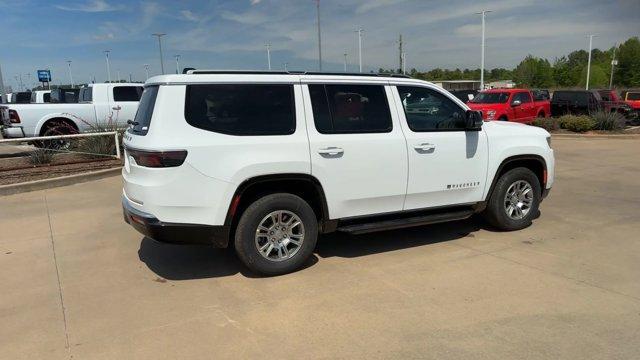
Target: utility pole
118, 75
268, 55
130, 78
146, 70
614, 62
286, 67
589, 61
177, 63
483, 13
106, 53
345, 62
400, 55
319, 37
359, 31
70, 76
160, 35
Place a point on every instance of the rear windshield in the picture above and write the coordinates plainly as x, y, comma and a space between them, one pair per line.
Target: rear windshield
633, 96
491, 98
145, 111
85, 94
241, 109
571, 96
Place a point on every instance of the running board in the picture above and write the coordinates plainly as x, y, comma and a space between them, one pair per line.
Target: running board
398, 223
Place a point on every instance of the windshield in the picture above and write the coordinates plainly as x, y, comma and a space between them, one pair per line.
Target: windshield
633, 96
490, 98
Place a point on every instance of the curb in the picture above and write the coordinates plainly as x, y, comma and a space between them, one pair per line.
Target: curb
596, 136
58, 181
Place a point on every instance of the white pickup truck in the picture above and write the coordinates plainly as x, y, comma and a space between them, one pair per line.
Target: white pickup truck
98, 104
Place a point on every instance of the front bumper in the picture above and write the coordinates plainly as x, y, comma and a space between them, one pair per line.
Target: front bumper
175, 233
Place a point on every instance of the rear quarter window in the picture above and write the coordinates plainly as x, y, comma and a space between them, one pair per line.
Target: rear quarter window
241, 109
127, 93
142, 121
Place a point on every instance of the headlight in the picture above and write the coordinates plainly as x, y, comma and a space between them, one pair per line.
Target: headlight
549, 141
491, 114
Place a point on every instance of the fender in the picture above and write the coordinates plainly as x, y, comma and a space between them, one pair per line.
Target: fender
326, 224
505, 163
72, 118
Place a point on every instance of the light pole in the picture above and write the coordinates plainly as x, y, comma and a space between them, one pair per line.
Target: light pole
404, 63
160, 35
106, 53
268, 55
319, 37
614, 62
118, 72
359, 31
146, 70
483, 13
589, 61
3, 96
345, 62
177, 63
286, 67
70, 76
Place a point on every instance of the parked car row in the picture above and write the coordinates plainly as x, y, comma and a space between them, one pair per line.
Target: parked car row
96, 103
521, 105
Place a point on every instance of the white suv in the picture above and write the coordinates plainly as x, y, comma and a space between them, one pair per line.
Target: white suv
267, 161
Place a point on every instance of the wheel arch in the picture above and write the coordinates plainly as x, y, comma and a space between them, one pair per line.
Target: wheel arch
535, 163
52, 118
305, 186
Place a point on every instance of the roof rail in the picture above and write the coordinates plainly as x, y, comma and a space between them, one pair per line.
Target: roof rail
191, 71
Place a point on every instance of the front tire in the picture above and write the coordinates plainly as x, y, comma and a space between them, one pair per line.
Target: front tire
514, 201
276, 234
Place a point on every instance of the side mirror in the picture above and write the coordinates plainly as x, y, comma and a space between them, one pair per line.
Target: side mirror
515, 103
473, 120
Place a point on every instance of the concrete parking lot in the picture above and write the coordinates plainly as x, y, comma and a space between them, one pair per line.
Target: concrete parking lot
76, 282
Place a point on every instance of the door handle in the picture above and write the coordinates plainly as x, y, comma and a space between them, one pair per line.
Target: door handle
117, 108
331, 150
424, 147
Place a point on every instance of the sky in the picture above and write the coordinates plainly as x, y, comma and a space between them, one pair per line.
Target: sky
232, 34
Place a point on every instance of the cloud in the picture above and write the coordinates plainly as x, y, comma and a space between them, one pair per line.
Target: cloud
102, 37
189, 16
150, 10
255, 2
92, 6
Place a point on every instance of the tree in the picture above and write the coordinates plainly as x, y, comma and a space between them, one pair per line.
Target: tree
533, 72
597, 77
628, 71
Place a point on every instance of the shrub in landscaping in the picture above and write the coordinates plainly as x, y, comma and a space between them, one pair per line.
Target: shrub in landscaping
549, 124
610, 121
41, 156
99, 146
581, 123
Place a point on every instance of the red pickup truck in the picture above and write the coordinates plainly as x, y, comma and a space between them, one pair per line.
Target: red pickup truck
633, 99
510, 105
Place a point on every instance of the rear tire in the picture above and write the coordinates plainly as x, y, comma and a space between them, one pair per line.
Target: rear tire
514, 201
276, 234
503, 118
55, 128
541, 114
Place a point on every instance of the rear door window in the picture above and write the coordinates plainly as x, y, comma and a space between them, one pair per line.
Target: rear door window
241, 109
344, 109
86, 94
142, 121
127, 93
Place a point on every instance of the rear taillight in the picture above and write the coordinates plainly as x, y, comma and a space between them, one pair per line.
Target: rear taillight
14, 118
158, 159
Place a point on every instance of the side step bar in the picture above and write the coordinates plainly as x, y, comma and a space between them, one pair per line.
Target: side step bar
398, 223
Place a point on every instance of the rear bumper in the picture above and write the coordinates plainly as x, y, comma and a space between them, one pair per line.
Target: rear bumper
12, 132
175, 233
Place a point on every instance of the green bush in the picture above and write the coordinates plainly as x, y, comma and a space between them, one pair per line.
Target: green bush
99, 146
575, 123
41, 156
549, 124
610, 121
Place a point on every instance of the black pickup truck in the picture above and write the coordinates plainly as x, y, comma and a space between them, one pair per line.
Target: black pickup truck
577, 102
